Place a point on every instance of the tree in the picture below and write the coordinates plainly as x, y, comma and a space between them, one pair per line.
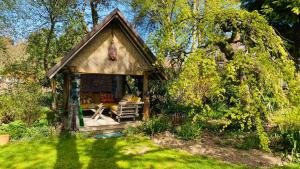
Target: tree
6, 7
222, 59
242, 66
169, 20
94, 6
51, 13
284, 15
174, 27
11, 53
58, 18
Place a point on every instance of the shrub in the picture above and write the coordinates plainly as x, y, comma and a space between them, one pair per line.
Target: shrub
156, 124
40, 128
24, 102
188, 131
18, 130
288, 137
250, 141
130, 131
291, 142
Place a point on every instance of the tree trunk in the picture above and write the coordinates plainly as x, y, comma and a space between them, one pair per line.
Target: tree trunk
146, 98
95, 15
47, 46
83, 23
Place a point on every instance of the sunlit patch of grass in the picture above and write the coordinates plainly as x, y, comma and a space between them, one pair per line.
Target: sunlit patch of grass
31, 154
69, 151
289, 166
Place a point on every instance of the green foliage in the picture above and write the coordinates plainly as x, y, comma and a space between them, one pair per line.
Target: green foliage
175, 26
284, 11
284, 15
11, 53
287, 118
199, 81
250, 83
288, 137
188, 130
18, 130
59, 45
159, 124
249, 86
251, 141
253, 89
170, 23
156, 124
291, 141
24, 102
131, 131
161, 102
6, 6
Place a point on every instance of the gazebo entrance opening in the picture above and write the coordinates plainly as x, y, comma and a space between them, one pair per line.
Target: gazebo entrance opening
101, 97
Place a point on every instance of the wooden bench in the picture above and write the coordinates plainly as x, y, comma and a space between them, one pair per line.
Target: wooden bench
127, 110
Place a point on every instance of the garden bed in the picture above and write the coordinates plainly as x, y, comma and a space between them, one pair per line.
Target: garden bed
219, 147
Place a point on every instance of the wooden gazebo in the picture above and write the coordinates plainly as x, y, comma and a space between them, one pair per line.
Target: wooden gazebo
112, 50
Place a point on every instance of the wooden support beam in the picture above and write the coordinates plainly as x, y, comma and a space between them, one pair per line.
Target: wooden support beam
54, 94
146, 98
66, 99
66, 92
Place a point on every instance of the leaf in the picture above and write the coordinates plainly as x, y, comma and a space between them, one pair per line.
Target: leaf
296, 10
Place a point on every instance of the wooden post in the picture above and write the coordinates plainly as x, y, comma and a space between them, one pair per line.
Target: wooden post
66, 100
146, 98
66, 92
54, 94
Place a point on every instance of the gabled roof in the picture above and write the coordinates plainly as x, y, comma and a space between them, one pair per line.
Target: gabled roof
115, 15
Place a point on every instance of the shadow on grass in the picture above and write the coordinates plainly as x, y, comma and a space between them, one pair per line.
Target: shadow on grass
103, 154
115, 153
67, 155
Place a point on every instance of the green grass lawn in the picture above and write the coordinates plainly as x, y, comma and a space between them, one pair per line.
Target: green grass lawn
124, 152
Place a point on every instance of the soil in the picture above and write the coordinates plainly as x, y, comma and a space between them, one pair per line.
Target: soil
210, 144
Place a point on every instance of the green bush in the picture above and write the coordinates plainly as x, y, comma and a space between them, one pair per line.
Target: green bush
291, 143
156, 124
18, 130
250, 141
40, 128
188, 131
130, 131
287, 138
24, 102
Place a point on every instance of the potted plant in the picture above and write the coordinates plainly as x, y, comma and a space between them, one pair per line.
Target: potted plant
4, 137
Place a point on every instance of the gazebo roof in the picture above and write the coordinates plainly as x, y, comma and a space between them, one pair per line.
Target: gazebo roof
133, 36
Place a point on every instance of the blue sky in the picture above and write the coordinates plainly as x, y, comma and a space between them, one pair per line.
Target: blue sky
23, 23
